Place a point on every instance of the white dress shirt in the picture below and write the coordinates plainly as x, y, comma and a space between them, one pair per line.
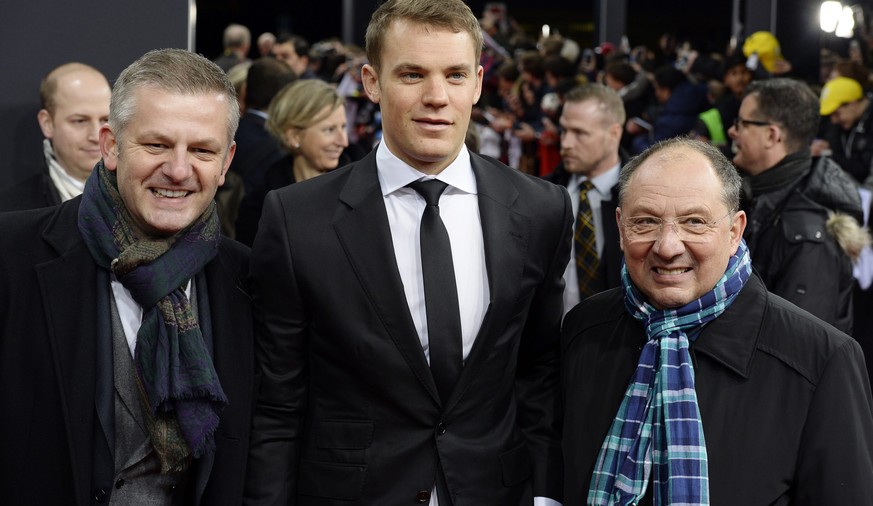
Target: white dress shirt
602, 191
129, 312
459, 210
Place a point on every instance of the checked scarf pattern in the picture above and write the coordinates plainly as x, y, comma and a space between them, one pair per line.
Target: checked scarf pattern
657, 428
179, 387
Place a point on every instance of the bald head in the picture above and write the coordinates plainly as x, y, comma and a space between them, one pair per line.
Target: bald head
75, 102
69, 74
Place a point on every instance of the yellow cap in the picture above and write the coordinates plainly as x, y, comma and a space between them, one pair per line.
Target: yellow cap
839, 91
766, 46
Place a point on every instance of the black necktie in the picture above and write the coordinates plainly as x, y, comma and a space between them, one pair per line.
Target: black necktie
440, 291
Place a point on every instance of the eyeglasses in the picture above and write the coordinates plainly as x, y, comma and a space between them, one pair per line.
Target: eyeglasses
740, 123
689, 228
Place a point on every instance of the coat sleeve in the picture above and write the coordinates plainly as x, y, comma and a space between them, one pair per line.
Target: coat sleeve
538, 378
815, 274
281, 329
835, 460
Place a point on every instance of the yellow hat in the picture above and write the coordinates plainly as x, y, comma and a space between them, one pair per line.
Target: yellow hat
839, 91
766, 46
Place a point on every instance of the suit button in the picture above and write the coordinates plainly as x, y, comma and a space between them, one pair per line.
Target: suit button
119, 483
441, 429
100, 495
422, 496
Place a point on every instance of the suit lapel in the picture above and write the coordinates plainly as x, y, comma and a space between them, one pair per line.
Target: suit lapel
68, 287
506, 234
362, 227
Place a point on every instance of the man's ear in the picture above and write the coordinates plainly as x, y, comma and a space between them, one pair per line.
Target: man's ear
46, 124
738, 227
108, 147
229, 158
370, 80
480, 76
620, 229
774, 135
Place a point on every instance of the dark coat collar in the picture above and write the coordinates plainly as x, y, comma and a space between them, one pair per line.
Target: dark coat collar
732, 338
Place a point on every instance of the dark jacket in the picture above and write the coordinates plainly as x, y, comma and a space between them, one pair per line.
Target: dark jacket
33, 192
52, 440
278, 175
802, 250
784, 399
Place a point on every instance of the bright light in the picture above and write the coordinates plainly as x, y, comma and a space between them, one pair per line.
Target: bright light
830, 15
846, 26
547, 30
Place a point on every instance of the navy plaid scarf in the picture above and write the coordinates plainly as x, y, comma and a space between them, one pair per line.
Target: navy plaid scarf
179, 388
658, 423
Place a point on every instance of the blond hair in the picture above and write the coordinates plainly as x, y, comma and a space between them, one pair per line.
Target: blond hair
299, 105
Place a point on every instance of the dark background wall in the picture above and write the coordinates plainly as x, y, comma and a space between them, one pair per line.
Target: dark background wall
38, 35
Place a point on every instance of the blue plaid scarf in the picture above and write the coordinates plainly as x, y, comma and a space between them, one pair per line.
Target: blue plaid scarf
178, 384
658, 423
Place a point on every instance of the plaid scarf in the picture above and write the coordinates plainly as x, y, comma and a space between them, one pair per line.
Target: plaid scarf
658, 423
179, 387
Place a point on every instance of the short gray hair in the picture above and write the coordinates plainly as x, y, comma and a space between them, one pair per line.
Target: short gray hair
175, 71
236, 36
731, 181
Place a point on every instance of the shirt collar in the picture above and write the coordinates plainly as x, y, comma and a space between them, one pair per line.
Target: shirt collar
395, 174
602, 183
257, 112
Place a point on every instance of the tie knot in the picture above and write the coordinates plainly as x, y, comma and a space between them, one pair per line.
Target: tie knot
430, 189
586, 186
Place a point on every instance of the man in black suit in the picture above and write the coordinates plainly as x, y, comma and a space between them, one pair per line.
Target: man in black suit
390, 374
75, 104
126, 350
591, 155
256, 149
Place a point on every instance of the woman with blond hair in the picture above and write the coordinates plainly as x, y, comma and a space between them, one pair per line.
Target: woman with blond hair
308, 119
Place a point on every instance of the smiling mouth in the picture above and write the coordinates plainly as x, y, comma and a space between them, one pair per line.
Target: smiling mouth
671, 272
173, 194
433, 122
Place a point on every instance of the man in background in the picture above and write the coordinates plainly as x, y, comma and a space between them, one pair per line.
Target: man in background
294, 50
256, 149
591, 126
804, 214
75, 104
237, 41
848, 135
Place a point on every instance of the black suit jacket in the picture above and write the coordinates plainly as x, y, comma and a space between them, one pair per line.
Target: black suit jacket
49, 371
612, 256
256, 151
348, 412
